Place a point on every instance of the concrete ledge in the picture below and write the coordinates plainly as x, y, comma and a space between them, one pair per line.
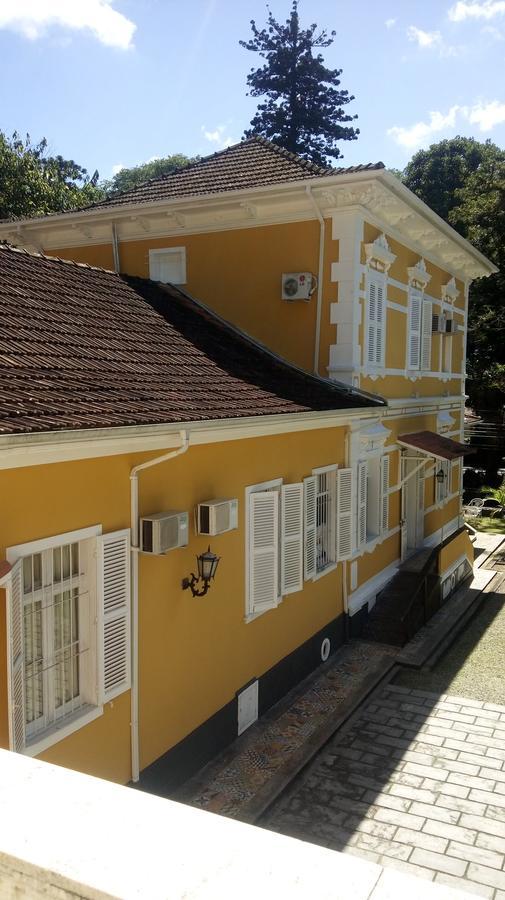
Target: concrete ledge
66, 835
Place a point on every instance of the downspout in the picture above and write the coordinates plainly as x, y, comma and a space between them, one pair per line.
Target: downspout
319, 278
115, 248
134, 523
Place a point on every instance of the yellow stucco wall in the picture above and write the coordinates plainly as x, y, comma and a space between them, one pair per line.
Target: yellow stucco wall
454, 550
238, 273
194, 653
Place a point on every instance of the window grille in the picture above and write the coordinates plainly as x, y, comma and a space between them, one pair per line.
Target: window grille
325, 515
53, 591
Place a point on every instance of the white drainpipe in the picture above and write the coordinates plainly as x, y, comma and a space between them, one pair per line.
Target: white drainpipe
134, 521
115, 248
319, 278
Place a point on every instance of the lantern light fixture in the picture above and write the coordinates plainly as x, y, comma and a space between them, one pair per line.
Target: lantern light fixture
440, 476
207, 565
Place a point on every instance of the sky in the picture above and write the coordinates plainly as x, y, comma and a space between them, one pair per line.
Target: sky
114, 83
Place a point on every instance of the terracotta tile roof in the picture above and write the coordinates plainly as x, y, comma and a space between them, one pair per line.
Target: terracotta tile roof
434, 444
249, 164
86, 348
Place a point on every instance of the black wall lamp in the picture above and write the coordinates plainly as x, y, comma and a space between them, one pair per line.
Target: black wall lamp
440, 476
207, 564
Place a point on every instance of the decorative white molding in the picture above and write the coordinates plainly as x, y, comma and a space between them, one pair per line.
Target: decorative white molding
450, 292
444, 421
373, 437
418, 275
379, 251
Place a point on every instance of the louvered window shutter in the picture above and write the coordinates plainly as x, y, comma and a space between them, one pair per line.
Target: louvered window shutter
384, 499
372, 321
362, 497
344, 514
291, 538
380, 318
16, 658
263, 550
426, 336
310, 526
414, 347
114, 604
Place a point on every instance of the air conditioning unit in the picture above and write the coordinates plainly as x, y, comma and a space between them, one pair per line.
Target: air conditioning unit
450, 326
164, 531
216, 516
297, 285
438, 324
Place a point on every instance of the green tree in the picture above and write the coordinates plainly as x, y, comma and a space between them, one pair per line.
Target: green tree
437, 173
33, 183
129, 178
303, 110
463, 180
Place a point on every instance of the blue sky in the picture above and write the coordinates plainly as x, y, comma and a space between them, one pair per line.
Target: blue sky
113, 82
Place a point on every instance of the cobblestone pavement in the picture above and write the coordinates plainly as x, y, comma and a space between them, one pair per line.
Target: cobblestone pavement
416, 781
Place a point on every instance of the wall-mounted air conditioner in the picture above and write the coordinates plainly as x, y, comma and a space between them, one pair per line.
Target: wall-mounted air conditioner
450, 326
298, 285
438, 324
216, 516
164, 531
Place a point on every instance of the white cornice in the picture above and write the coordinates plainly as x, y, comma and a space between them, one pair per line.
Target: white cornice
380, 196
20, 450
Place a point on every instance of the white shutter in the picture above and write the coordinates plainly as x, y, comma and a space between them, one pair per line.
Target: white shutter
426, 336
415, 312
371, 321
263, 550
379, 328
362, 497
344, 514
114, 604
16, 658
310, 525
384, 497
291, 538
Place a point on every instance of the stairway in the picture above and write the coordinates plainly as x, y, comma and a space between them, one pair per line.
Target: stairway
406, 602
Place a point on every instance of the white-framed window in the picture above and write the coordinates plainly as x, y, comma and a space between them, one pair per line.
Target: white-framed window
375, 324
447, 340
168, 265
420, 328
295, 532
372, 499
68, 617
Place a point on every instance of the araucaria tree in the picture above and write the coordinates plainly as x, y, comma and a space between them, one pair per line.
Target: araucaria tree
304, 107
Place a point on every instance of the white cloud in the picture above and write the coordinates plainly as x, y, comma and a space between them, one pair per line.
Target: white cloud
32, 18
390, 23
415, 135
424, 38
485, 115
488, 9
218, 137
117, 168
493, 32
430, 40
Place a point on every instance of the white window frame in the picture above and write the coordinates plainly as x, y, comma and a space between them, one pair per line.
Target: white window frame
415, 328
332, 517
379, 279
169, 251
275, 484
66, 725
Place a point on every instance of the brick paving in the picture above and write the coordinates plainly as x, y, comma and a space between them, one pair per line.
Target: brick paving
415, 781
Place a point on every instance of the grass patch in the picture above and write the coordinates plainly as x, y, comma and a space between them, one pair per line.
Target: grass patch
489, 525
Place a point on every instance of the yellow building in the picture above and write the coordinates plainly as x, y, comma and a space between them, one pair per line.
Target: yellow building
326, 484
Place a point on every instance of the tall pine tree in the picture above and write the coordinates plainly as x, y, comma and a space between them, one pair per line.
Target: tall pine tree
303, 110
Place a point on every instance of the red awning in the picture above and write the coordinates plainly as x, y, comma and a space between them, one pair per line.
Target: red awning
435, 445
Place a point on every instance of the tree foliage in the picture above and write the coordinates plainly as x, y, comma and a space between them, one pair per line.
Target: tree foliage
464, 181
33, 183
129, 178
304, 107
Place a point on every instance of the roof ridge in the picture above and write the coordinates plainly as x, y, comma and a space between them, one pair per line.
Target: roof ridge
6, 245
